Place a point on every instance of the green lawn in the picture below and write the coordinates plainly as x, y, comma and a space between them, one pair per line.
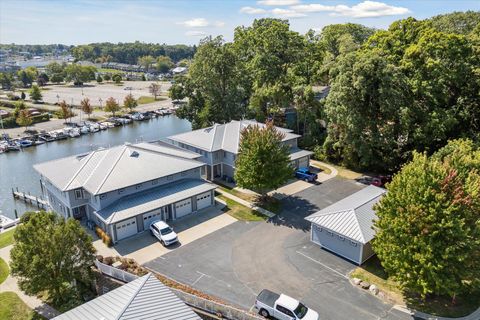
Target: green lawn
271, 204
6, 238
241, 212
12, 308
4, 271
373, 272
148, 99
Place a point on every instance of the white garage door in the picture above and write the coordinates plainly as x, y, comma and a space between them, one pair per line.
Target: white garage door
204, 200
183, 208
303, 162
126, 228
148, 218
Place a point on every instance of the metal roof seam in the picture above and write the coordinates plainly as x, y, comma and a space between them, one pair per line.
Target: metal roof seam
111, 169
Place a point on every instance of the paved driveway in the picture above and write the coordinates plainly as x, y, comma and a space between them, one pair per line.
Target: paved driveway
237, 261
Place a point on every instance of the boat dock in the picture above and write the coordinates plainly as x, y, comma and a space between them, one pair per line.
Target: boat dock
28, 198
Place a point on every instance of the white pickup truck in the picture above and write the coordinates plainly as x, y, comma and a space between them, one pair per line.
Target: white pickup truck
282, 307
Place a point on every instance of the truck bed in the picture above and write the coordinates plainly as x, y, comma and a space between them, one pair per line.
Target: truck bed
268, 297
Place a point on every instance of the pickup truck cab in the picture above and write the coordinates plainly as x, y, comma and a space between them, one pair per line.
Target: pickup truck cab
305, 174
282, 307
163, 232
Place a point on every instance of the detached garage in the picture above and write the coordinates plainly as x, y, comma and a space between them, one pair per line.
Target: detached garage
345, 227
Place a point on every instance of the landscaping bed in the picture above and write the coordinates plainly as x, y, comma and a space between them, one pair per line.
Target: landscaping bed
373, 273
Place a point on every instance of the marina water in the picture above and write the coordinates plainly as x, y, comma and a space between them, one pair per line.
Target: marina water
16, 168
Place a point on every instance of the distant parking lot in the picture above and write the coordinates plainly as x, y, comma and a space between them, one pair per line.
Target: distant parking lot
96, 91
238, 261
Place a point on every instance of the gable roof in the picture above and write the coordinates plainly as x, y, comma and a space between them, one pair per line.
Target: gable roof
223, 136
110, 169
352, 216
143, 298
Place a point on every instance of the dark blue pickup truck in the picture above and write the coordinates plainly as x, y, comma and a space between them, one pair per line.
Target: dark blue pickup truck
305, 174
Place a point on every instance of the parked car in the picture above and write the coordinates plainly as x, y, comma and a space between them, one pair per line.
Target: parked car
163, 232
380, 181
305, 174
282, 307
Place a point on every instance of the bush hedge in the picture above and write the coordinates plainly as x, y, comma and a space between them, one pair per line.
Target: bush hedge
104, 236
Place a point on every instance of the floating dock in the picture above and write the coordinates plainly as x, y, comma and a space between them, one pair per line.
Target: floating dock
28, 198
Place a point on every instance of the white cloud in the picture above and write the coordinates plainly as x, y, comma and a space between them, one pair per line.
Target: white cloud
195, 33
288, 13
201, 23
366, 9
274, 3
251, 10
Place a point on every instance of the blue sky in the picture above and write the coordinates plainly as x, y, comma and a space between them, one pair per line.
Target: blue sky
187, 21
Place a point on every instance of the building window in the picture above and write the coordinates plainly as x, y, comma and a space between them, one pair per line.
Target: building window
78, 194
120, 191
103, 196
341, 238
138, 186
353, 243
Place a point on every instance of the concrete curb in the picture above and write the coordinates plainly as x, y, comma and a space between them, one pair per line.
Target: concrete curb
245, 203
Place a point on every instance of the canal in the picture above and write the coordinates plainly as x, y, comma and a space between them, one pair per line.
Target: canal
16, 168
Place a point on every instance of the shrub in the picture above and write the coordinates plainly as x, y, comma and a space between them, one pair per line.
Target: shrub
104, 236
108, 261
41, 118
99, 258
10, 122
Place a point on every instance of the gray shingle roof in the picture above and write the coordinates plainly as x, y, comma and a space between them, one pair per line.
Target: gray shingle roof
299, 153
352, 216
222, 136
106, 170
145, 201
144, 298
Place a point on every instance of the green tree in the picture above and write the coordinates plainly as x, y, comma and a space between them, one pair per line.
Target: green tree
57, 78
117, 78
42, 79
86, 106
6, 80
54, 258
130, 102
24, 119
164, 64
35, 93
368, 112
111, 106
176, 92
456, 22
146, 62
263, 162
23, 96
428, 235
54, 68
99, 79
214, 85
107, 77
27, 75
79, 74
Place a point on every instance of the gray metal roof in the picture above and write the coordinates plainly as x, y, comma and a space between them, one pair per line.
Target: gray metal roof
299, 153
352, 216
106, 170
144, 298
223, 136
145, 201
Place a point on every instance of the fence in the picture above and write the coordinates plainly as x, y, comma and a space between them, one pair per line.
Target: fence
115, 272
226, 312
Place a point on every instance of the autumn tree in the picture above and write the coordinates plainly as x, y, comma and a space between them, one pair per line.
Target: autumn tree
55, 258
65, 111
24, 119
428, 235
112, 106
263, 162
130, 102
86, 107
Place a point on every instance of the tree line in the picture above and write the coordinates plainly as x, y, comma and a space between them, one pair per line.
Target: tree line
410, 87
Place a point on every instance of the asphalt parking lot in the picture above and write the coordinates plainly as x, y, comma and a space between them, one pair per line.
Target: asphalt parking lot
236, 262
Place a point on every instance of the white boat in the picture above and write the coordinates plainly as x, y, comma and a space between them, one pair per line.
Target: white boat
84, 130
74, 132
94, 129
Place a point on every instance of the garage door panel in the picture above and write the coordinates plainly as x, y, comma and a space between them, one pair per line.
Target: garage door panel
182, 208
126, 228
150, 217
204, 200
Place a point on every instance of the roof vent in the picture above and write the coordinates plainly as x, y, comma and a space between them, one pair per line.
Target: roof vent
134, 154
